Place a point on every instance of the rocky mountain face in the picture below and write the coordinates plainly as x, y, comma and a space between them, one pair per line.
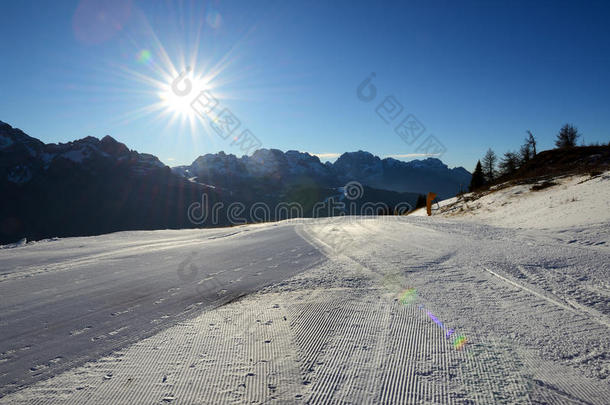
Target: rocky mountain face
93, 186
85, 187
417, 176
420, 176
23, 157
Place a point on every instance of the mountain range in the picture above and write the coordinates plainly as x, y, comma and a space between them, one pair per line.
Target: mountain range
92, 186
417, 176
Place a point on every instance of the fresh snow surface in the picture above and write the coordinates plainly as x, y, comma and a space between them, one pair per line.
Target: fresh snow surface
573, 201
355, 310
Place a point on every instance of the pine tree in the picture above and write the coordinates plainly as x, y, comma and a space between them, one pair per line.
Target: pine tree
525, 154
567, 136
477, 179
489, 165
421, 201
509, 163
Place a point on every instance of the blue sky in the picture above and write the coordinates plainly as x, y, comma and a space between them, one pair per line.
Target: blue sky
475, 74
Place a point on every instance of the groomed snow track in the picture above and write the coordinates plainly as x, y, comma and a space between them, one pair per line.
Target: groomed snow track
534, 311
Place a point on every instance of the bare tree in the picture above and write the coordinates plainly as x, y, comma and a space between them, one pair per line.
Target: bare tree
531, 141
489, 165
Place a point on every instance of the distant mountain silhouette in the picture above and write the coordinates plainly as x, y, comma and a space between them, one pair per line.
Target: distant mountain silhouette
419, 176
277, 167
92, 186
85, 187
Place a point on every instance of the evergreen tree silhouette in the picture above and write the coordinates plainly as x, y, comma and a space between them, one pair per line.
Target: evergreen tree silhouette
478, 179
567, 136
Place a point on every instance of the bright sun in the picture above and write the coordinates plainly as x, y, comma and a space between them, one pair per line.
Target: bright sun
178, 95
175, 87
175, 104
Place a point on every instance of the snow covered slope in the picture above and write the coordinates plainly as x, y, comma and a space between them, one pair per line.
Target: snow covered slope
402, 310
68, 300
564, 202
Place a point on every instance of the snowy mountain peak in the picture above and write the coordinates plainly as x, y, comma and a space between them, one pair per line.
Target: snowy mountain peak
432, 163
113, 147
24, 158
361, 157
15, 140
419, 176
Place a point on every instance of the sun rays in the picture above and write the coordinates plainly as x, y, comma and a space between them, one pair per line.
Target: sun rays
168, 75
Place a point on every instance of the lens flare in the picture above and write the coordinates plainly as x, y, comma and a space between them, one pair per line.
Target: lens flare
213, 19
97, 21
144, 56
459, 342
408, 296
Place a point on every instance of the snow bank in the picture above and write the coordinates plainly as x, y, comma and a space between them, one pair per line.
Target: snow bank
569, 202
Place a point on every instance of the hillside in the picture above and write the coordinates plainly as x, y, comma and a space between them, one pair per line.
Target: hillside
562, 162
564, 191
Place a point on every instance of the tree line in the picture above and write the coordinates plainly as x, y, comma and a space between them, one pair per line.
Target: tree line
490, 167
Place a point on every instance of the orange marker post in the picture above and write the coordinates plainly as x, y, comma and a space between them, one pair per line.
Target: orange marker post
431, 197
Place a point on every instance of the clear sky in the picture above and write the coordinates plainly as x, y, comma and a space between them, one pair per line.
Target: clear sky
475, 74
